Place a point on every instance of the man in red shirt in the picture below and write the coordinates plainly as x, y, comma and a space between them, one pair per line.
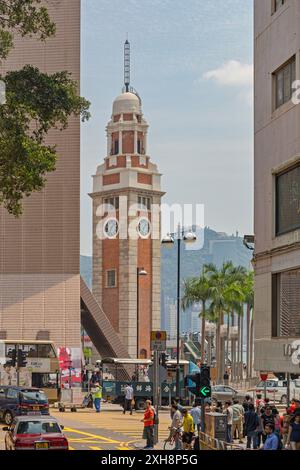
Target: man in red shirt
148, 421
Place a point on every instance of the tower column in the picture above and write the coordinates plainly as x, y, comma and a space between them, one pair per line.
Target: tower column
120, 143
135, 149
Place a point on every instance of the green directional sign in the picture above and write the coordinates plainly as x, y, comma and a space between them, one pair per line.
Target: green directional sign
205, 391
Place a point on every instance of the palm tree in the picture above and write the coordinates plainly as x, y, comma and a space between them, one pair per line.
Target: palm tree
249, 301
197, 290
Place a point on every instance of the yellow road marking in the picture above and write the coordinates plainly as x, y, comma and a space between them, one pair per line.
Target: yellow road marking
123, 448
95, 448
102, 438
71, 448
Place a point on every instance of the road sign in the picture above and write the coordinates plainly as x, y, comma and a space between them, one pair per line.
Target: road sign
158, 341
205, 391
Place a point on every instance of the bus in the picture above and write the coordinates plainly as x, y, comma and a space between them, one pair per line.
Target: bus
40, 370
116, 373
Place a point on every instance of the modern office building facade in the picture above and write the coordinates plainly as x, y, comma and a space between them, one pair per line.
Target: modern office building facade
277, 186
39, 252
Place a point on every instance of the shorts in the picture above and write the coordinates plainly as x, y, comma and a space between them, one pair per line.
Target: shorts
187, 437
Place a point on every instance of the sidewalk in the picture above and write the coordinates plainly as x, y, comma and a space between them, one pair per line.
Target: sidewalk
141, 444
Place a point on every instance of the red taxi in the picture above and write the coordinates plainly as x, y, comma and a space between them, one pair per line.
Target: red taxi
35, 433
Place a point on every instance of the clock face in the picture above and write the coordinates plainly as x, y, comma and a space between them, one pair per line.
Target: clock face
111, 228
144, 228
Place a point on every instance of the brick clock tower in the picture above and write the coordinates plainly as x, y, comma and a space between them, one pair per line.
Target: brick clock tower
126, 225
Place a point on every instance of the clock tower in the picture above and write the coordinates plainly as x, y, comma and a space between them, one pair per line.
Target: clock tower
126, 225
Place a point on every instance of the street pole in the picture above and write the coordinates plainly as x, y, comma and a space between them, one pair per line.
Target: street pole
178, 318
137, 311
156, 391
288, 389
202, 415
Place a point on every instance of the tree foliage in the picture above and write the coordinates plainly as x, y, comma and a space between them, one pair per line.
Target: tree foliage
35, 103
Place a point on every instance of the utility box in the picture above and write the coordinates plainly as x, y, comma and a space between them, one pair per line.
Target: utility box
216, 426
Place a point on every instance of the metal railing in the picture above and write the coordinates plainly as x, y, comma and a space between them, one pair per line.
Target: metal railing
211, 443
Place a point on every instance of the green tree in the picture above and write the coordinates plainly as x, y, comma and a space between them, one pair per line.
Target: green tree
35, 103
197, 290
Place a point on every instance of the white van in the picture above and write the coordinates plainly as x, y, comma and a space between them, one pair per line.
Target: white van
277, 390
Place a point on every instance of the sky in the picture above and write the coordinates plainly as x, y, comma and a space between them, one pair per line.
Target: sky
192, 65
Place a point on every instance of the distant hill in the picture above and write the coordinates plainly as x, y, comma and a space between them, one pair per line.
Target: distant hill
217, 248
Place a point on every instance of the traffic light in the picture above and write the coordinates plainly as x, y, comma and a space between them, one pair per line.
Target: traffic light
204, 386
163, 359
13, 357
201, 380
22, 358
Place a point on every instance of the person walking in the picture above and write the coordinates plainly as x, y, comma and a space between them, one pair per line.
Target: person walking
128, 399
284, 425
272, 440
237, 420
267, 418
251, 426
226, 377
293, 439
97, 396
148, 420
229, 413
195, 412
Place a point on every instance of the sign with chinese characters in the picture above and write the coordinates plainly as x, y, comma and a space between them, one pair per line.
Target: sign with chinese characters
34, 364
158, 341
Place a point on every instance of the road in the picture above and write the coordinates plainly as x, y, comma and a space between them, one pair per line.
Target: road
108, 430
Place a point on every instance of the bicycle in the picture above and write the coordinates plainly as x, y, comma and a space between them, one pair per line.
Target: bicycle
173, 439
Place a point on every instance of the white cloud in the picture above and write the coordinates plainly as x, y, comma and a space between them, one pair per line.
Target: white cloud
232, 73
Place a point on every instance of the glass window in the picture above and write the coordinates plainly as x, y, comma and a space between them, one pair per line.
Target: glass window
144, 203
46, 350
288, 201
278, 4
284, 79
112, 201
12, 393
9, 349
38, 427
111, 278
42, 380
28, 396
286, 304
29, 349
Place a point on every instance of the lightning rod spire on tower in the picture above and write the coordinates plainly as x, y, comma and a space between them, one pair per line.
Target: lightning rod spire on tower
127, 64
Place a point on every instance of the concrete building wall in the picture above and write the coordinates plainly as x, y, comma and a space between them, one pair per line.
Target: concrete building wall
277, 144
39, 252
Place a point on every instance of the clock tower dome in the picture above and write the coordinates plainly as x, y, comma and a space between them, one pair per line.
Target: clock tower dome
126, 225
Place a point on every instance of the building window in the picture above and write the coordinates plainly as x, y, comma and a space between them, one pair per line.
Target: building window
112, 201
288, 201
286, 304
278, 4
111, 278
144, 203
283, 81
116, 147
139, 146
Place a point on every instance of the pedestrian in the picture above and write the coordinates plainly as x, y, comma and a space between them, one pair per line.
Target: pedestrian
229, 413
97, 396
272, 440
284, 425
293, 439
95, 378
195, 412
258, 402
267, 418
179, 407
226, 377
188, 429
148, 420
176, 425
246, 403
237, 421
251, 426
128, 399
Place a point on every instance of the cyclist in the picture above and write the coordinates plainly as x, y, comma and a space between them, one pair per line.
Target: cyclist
188, 430
176, 426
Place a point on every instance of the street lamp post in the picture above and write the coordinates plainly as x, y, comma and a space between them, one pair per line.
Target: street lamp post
168, 241
139, 272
